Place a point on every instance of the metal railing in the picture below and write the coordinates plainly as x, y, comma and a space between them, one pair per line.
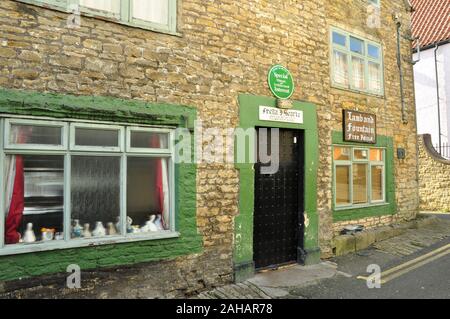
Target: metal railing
443, 150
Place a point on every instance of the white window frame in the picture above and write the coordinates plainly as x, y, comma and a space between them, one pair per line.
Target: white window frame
349, 163
120, 141
123, 17
161, 151
366, 58
67, 153
7, 134
376, 3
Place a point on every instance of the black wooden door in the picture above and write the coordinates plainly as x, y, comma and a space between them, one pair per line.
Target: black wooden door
278, 217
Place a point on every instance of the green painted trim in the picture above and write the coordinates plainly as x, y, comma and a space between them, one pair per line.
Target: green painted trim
98, 108
112, 109
390, 208
249, 118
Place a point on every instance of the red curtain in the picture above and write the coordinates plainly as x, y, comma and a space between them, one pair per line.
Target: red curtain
155, 143
17, 205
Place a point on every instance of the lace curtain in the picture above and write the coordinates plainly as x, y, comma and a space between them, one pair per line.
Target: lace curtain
103, 5
151, 10
340, 68
358, 72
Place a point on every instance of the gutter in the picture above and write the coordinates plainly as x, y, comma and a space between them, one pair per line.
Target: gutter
433, 45
438, 97
399, 64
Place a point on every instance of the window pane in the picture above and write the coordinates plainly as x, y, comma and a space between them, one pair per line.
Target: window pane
356, 45
374, 77
151, 10
342, 185
149, 140
103, 5
339, 39
376, 155
360, 184
340, 63
377, 183
96, 137
360, 155
358, 73
95, 194
35, 134
341, 154
373, 51
147, 195
34, 207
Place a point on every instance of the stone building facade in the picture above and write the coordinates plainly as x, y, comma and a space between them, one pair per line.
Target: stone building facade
212, 67
433, 177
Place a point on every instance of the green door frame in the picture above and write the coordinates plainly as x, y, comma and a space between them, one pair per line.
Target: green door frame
243, 243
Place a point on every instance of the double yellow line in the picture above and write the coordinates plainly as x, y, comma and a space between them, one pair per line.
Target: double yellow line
402, 269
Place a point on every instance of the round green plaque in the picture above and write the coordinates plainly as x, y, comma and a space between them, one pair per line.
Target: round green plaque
281, 82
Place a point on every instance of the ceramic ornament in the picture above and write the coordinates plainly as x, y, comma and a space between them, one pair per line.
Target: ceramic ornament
77, 230
150, 225
135, 229
111, 229
130, 228
29, 236
86, 231
118, 227
47, 234
59, 236
99, 230
158, 223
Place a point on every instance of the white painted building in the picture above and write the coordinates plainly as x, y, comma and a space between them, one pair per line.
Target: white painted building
427, 82
431, 25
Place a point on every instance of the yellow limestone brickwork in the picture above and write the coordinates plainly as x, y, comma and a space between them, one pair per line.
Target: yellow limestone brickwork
353, 16
434, 177
224, 48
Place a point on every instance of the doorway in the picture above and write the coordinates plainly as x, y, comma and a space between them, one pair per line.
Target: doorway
279, 200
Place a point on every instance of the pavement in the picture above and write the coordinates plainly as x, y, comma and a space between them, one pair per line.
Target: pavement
413, 265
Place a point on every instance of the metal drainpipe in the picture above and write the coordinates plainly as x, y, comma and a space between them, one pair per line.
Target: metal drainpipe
399, 63
438, 97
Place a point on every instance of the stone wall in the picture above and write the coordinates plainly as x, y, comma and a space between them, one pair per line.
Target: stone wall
223, 49
434, 177
352, 16
368, 223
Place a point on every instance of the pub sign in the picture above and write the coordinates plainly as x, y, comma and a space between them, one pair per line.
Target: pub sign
360, 127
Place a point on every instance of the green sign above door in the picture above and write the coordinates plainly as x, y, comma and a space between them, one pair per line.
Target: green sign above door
281, 82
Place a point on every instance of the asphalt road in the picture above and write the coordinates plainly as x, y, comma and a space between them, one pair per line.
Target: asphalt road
429, 281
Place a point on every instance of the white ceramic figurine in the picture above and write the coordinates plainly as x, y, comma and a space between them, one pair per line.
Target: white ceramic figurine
29, 236
86, 231
99, 230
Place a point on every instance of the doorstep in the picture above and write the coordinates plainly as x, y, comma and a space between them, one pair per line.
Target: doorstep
346, 244
273, 284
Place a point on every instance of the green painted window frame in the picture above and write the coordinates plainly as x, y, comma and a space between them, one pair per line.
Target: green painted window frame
67, 150
389, 207
365, 57
123, 17
350, 163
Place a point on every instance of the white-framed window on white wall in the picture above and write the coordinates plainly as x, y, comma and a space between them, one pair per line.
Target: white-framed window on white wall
158, 15
74, 184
